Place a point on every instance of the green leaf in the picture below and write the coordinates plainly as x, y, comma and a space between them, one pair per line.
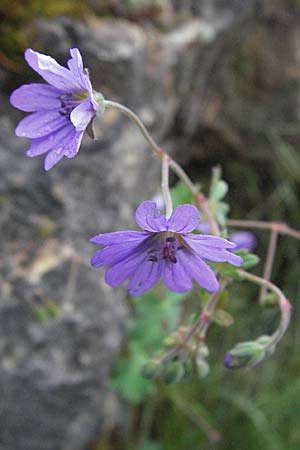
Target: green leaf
223, 318
181, 194
250, 260
127, 377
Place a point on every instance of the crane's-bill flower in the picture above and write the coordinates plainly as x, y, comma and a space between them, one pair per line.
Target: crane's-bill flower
166, 248
60, 110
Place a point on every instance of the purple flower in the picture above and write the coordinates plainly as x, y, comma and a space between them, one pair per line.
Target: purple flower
243, 240
61, 110
166, 249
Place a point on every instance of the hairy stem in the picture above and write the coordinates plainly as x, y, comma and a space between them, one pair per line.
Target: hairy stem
284, 305
269, 260
165, 186
199, 327
280, 227
200, 199
132, 116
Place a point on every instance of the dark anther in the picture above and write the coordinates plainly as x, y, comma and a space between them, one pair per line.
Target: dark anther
152, 258
181, 247
170, 239
172, 259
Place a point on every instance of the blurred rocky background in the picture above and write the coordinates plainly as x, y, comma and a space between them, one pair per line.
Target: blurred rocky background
216, 82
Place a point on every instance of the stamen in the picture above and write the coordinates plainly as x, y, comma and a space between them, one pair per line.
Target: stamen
152, 259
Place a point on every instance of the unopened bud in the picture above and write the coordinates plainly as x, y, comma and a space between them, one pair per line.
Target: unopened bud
202, 368
203, 351
245, 354
173, 372
150, 369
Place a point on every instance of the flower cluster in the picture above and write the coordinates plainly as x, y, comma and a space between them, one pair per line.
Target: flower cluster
166, 248
61, 110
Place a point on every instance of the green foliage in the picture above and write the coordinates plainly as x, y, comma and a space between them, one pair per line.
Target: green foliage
180, 194
218, 190
148, 444
137, 5
15, 19
155, 318
46, 311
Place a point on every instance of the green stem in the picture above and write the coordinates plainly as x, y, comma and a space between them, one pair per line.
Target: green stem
165, 186
280, 227
177, 169
269, 260
284, 305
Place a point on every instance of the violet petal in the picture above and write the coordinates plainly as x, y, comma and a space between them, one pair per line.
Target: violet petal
52, 72
211, 241
213, 253
82, 115
118, 237
175, 277
72, 146
145, 277
113, 254
118, 273
53, 157
35, 96
149, 218
41, 145
199, 271
184, 219
39, 124
75, 65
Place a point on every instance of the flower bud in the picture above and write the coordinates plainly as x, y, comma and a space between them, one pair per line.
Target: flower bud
150, 369
173, 372
245, 354
203, 368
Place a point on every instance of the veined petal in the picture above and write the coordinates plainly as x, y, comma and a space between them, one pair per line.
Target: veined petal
52, 72
39, 124
145, 277
214, 254
75, 65
211, 241
118, 273
41, 145
113, 254
82, 115
119, 237
53, 157
149, 218
184, 219
199, 271
175, 277
72, 146
35, 96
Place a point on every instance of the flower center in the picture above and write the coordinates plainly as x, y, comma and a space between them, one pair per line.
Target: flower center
166, 248
69, 102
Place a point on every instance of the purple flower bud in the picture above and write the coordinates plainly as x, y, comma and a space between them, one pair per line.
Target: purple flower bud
243, 240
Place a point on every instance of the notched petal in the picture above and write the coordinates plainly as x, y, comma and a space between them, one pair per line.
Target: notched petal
184, 219
149, 218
